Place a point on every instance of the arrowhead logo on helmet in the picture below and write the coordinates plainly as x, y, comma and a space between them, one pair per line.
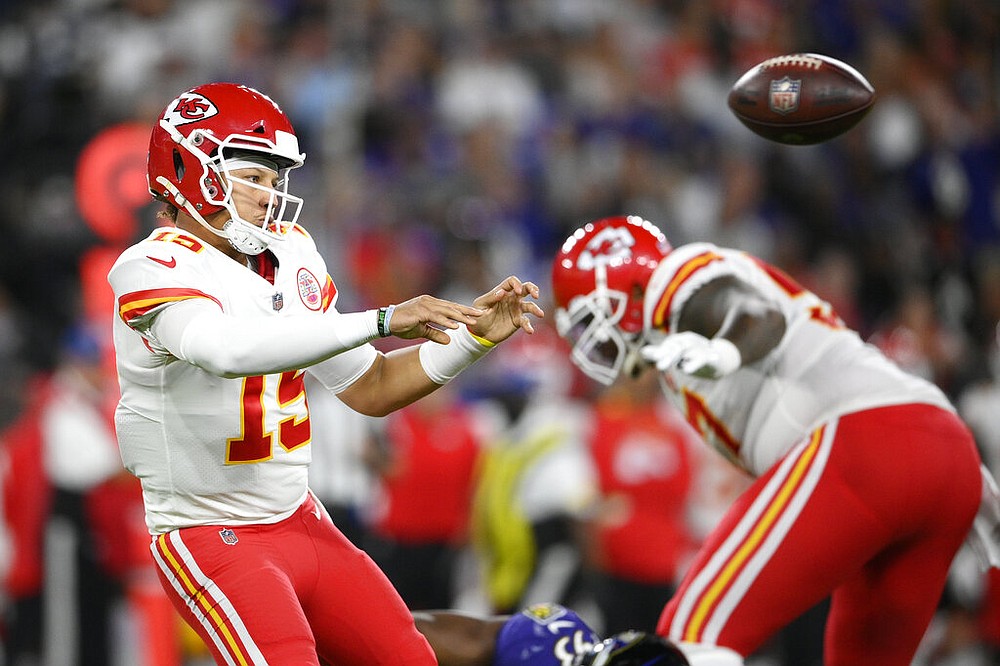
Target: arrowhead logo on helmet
189, 108
608, 245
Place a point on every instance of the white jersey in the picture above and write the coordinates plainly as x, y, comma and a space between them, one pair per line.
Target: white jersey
209, 449
820, 369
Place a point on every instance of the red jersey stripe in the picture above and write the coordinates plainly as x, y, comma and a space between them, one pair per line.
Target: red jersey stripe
682, 275
138, 303
329, 292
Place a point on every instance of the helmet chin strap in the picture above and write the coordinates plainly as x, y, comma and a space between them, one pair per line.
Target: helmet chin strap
241, 236
236, 230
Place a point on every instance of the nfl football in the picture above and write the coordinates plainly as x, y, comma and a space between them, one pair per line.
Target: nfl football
801, 98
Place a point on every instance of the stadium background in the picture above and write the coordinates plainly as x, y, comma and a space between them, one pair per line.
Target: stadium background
451, 142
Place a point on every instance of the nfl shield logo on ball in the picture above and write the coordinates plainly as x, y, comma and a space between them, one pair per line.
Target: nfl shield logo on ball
784, 95
228, 536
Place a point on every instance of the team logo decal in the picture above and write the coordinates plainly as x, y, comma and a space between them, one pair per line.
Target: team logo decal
608, 246
784, 95
228, 536
189, 108
544, 612
309, 289
277, 301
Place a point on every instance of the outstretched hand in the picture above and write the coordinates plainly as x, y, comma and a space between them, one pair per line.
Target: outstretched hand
693, 354
428, 317
506, 308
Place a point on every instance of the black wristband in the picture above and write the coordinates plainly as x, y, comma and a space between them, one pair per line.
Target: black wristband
384, 317
382, 324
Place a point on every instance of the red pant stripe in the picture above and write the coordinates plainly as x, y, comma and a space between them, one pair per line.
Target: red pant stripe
209, 606
717, 590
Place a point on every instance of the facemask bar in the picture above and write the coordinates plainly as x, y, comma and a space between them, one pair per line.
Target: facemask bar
279, 218
590, 324
283, 208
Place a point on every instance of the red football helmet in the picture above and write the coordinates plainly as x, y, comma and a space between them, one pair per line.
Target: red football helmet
599, 278
207, 133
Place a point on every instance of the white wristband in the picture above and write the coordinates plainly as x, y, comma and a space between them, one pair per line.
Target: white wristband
442, 363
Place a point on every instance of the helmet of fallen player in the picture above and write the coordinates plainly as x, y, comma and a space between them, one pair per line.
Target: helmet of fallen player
543, 634
211, 131
633, 648
599, 278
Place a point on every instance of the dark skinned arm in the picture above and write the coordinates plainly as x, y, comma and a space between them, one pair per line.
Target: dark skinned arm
729, 308
460, 639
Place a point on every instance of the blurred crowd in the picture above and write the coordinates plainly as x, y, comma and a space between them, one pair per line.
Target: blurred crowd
450, 141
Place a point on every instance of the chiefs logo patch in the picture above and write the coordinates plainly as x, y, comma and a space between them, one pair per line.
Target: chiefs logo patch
189, 108
309, 289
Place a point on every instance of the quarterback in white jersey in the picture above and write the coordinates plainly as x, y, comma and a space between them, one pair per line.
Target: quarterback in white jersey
220, 312
199, 441
866, 481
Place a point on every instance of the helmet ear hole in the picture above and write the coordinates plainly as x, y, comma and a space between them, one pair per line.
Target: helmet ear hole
179, 167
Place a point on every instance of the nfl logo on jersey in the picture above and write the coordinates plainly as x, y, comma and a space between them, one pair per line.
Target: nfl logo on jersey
228, 536
277, 301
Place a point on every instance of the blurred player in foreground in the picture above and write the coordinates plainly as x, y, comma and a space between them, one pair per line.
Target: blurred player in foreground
220, 313
547, 634
867, 482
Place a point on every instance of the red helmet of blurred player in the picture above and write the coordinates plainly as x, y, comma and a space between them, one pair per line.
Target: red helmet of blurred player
599, 278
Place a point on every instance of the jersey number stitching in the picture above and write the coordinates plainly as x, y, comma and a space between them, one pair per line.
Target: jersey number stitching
255, 443
711, 428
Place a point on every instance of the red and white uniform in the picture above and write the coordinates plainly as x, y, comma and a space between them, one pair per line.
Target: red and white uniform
207, 449
821, 369
867, 481
248, 555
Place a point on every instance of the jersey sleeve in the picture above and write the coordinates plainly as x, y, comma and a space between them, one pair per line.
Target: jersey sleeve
230, 346
145, 283
169, 304
339, 372
683, 272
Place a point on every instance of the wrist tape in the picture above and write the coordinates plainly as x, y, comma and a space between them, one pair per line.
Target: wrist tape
442, 363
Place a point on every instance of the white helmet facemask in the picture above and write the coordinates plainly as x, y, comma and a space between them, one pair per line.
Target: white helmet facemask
600, 348
279, 217
232, 154
282, 209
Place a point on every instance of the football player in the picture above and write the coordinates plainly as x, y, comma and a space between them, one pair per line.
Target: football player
542, 634
633, 648
866, 481
547, 634
220, 312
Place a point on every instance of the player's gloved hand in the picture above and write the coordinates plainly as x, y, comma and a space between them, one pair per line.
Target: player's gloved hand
694, 354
